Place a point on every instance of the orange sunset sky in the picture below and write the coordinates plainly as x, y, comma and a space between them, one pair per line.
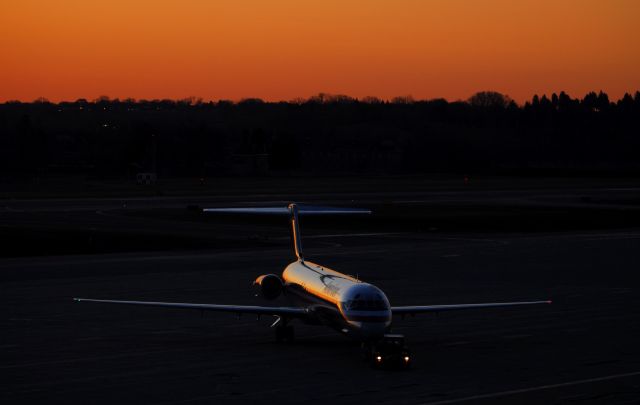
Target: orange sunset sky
280, 50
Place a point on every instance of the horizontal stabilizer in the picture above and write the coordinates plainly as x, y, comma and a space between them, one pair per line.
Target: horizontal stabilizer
293, 210
302, 210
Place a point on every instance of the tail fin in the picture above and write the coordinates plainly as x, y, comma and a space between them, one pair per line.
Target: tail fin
296, 237
292, 210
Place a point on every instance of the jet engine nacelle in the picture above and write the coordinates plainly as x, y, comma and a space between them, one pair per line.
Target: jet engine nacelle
269, 286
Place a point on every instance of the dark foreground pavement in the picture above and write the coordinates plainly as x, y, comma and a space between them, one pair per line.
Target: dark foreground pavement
582, 349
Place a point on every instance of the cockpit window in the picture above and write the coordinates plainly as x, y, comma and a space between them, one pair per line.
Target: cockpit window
374, 304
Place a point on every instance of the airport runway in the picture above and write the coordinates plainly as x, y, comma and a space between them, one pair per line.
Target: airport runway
582, 349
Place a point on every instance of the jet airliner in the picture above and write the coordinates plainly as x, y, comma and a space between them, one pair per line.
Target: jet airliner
318, 295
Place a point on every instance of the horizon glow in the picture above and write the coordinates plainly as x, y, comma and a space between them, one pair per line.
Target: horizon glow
283, 50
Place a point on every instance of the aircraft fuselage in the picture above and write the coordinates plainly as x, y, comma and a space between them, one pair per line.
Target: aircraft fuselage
358, 309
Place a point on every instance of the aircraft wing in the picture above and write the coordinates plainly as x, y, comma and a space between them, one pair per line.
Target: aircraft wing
418, 309
290, 312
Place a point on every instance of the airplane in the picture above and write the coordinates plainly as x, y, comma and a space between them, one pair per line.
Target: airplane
318, 295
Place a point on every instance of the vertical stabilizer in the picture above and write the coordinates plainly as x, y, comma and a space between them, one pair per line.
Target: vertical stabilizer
296, 238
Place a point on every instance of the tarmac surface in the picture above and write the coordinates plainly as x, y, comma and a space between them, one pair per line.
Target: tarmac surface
581, 349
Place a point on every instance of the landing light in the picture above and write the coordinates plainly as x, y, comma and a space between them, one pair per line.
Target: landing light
406, 358
379, 358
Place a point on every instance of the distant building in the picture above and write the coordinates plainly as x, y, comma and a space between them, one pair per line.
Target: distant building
146, 179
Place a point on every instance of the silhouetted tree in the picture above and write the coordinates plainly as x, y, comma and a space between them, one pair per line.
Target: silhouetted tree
250, 102
535, 101
590, 101
489, 99
555, 101
371, 100
323, 134
564, 102
402, 100
602, 101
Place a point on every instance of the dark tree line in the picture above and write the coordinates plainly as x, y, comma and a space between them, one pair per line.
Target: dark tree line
325, 134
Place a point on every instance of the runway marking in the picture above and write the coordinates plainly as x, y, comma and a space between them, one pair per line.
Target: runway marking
612, 237
533, 389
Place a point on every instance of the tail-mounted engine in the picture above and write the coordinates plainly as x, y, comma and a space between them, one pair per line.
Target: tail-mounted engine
269, 286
